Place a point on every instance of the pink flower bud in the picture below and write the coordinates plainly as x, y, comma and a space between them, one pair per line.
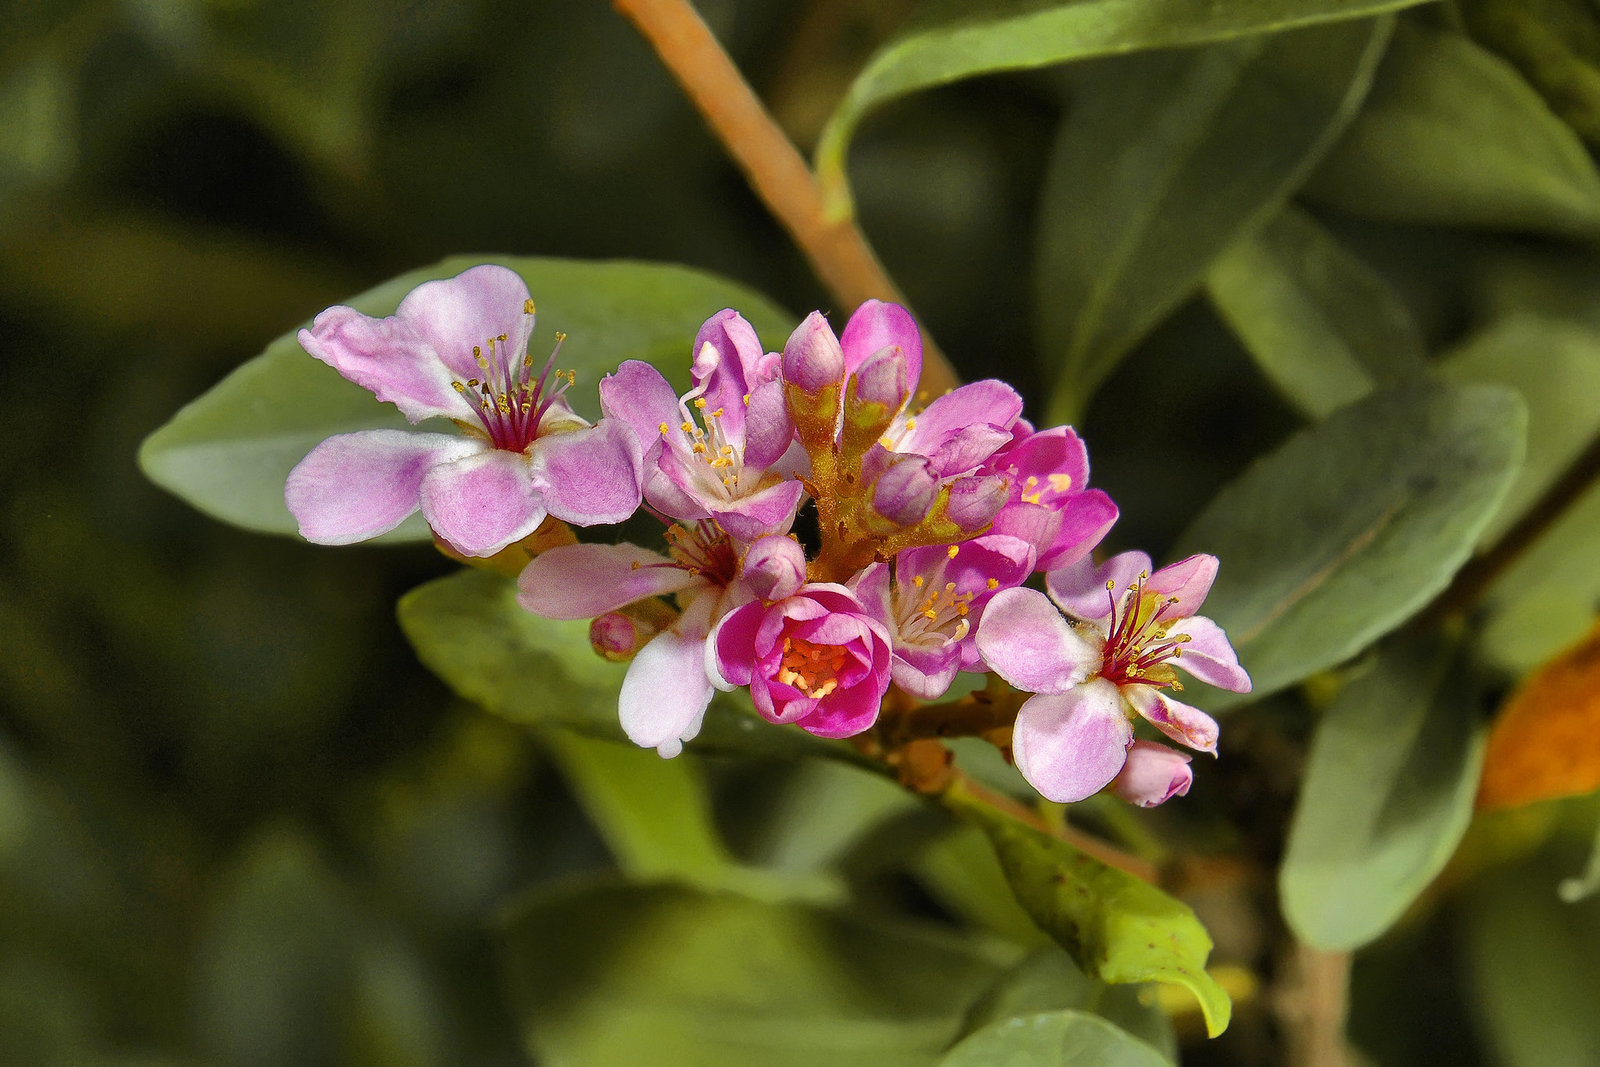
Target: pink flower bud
813, 360
905, 491
882, 380
617, 637
1153, 775
975, 500
774, 567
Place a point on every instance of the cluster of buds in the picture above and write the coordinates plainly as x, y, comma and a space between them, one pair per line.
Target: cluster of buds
930, 515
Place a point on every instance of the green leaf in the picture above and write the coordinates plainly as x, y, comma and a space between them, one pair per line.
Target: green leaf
959, 41
1353, 525
1049, 1038
1451, 135
654, 813
1533, 968
1161, 161
661, 974
228, 452
1387, 794
1117, 928
1048, 981
1322, 325
468, 629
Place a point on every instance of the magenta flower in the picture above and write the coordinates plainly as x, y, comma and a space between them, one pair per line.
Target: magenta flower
1049, 503
457, 349
666, 689
1073, 738
933, 599
726, 449
816, 659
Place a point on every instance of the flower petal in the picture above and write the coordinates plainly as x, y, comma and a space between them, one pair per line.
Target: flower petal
582, 581
1025, 640
1086, 518
358, 485
589, 476
453, 315
1179, 721
1080, 589
768, 430
966, 426
767, 511
482, 503
665, 693
389, 358
1188, 580
1154, 774
1069, 746
730, 654
639, 396
1208, 656
877, 325
926, 673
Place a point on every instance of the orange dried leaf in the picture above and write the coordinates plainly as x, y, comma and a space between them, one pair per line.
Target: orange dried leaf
1546, 741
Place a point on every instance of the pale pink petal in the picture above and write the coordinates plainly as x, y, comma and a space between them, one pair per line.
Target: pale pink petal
455, 314
1080, 589
589, 476
358, 485
665, 693
1208, 656
389, 358
877, 325
926, 672
774, 567
1179, 721
1025, 640
1154, 774
1188, 580
639, 396
767, 511
768, 430
582, 581
1069, 746
978, 414
482, 503
1086, 518
812, 360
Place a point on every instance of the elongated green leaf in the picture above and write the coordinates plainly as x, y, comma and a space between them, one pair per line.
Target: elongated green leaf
1452, 135
1117, 928
1047, 980
1322, 325
1053, 1038
959, 41
228, 452
610, 974
653, 813
468, 629
1388, 792
1354, 524
1161, 162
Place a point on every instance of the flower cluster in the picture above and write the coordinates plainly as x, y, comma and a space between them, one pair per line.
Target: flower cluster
930, 515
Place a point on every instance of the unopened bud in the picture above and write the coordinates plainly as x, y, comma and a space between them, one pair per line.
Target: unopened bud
904, 493
813, 360
975, 500
1153, 775
617, 637
877, 391
774, 567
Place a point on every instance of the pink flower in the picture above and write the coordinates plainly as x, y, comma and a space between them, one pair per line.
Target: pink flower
932, 602
726, 449
1117, 663
456, 349
816, 659
1049, 503
666, 689
1154, 774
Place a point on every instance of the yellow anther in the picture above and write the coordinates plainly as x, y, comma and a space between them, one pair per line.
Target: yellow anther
717, 414
560, 337
951, 552
1060, 482
726, 450
1111, 583
460, 388
663, 428
700, 402
501, 338
527, 306
916, 580
993, 583
747, 400
687, 427
930, 614
911, 424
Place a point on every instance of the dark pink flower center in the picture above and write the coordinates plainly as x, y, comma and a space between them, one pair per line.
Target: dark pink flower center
703, 549
509, 402
1138, 646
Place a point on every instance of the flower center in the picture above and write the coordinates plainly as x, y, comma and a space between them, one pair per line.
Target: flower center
703, 549
812, 669
1138, 647
716, 462
928, 610
509, 401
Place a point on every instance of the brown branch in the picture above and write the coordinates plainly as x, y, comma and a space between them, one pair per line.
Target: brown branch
1473, 581
1312, 1002
836, 250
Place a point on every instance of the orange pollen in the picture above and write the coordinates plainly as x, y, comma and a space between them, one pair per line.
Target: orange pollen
812, 669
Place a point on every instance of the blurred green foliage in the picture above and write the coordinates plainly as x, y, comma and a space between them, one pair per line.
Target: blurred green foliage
240, 824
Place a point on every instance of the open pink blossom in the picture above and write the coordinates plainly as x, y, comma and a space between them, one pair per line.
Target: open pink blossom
932, 599
816, 659
1049, 503
457, 349
1113, 663
666, 689
726, 449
